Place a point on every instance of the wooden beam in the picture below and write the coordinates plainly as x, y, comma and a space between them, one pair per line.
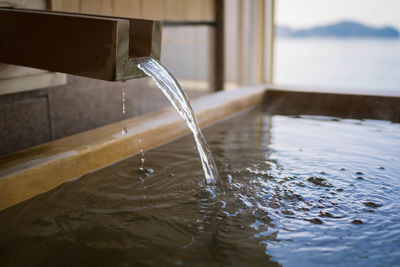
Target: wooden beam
166, 10
261, 40
219, 46
153, 9
269, 41
174, 10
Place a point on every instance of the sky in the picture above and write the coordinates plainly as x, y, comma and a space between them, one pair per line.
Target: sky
305, 13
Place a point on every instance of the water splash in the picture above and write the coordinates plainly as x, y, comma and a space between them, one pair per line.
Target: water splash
175, 94
142, 168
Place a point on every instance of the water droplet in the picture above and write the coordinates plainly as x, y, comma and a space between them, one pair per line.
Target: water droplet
141, 168
124, 131
123, 101
147, 172
229, 176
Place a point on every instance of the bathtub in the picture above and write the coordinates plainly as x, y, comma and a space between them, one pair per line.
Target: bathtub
27, 173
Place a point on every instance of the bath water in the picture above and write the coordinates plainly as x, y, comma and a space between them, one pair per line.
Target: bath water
175, 94
303, 191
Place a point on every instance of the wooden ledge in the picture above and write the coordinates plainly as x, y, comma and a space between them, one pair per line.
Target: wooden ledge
345, 103
335, 91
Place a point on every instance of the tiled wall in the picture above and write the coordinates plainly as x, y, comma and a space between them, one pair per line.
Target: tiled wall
24, 120
32, 118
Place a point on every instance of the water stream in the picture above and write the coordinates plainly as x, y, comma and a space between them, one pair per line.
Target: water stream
124, 129
175, 94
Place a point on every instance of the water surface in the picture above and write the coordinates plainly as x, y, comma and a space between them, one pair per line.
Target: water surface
298, 191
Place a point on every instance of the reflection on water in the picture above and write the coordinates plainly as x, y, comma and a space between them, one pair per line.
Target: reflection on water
298, 191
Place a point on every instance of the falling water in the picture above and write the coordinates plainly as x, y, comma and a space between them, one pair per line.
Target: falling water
142, 168
141, 158
175, 94
124, 129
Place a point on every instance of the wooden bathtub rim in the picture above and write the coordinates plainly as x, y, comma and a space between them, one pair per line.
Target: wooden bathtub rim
27, 173
344, 103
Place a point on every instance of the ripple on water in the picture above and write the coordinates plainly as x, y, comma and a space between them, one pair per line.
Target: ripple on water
291, 186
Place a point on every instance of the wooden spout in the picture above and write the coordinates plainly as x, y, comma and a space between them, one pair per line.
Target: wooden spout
97, 47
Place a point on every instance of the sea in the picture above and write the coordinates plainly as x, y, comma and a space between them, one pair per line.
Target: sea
338, 63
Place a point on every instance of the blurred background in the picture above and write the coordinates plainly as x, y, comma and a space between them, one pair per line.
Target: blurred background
338, 43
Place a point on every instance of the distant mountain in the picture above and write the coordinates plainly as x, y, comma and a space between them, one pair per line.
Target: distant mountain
343, 29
